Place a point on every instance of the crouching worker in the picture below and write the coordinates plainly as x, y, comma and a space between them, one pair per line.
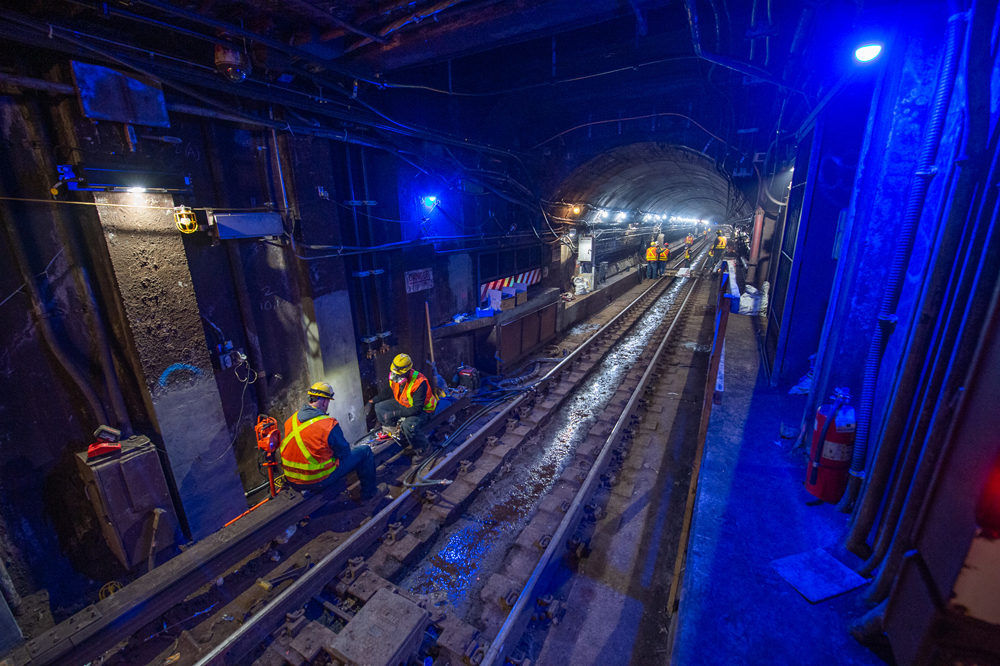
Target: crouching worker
314, 452
407, 403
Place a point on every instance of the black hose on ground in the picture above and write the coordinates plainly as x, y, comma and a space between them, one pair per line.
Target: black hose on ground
417, 474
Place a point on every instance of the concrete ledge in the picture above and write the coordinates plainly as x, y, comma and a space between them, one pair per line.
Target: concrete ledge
536, 302
595, 301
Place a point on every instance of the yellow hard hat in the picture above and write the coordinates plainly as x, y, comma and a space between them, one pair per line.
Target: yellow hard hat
401, 364
321, 390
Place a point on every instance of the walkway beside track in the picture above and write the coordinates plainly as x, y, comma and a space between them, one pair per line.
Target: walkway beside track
751, 509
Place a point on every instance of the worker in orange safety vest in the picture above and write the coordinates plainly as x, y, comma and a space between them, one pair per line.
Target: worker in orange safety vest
314, 452
652, 254
408, 402
718, 250
661, 264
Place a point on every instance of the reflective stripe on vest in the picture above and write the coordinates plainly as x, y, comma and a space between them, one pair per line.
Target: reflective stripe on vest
307, 469
404, 395
651, 254
665, 255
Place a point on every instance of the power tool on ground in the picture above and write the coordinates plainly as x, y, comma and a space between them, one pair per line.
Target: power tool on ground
268, 441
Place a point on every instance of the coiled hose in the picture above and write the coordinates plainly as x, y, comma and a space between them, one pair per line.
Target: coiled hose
415, 478
904, 245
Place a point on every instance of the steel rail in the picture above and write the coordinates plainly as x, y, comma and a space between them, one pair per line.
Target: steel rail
519, 615
262, 624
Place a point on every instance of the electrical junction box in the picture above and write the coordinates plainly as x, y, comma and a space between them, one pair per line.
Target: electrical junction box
387, 631
248, 225
125, 489
586, 249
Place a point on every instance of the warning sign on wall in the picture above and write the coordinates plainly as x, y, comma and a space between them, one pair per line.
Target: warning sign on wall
419, 280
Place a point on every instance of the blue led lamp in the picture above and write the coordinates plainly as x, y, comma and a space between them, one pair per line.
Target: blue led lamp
867, 52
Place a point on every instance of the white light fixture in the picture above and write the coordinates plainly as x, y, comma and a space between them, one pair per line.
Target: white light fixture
137, 190
867, 52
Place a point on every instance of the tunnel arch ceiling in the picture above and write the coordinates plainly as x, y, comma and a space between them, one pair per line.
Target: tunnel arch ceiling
655, 178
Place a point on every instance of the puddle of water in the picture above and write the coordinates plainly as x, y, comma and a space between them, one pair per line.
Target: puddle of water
580, 329
474, 547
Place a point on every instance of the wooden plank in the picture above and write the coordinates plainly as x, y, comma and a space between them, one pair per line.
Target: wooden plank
547, 323
529, 331
510, 340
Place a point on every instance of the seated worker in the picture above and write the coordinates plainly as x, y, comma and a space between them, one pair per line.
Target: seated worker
408, 403
651, 258
314, 453
661, 265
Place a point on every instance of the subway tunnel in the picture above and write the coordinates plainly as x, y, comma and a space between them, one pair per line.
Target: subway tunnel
464, 332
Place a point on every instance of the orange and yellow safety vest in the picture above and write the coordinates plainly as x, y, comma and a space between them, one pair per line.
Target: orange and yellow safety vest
651, 253
404, 394
665, 254
305, 451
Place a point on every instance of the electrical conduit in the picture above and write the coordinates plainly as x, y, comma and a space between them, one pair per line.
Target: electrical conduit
904, 245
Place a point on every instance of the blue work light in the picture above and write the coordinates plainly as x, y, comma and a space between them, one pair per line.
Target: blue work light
867, 52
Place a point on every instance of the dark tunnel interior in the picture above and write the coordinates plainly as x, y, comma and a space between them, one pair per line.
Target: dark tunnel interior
212, 210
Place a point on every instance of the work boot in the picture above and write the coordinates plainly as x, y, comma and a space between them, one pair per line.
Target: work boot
370, 506
381, 490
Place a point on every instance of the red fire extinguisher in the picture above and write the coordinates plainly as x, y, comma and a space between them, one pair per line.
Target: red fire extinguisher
830, 462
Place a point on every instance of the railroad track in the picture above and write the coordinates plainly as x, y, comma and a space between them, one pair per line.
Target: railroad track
341, 573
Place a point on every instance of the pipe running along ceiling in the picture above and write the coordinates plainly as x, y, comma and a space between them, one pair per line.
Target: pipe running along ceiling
654, 178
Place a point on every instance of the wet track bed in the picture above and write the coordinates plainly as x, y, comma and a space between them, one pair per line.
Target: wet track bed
474, 546
459, 551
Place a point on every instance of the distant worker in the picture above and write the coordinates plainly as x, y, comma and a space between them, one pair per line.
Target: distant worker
687, 256
704, 234
689, 240
314, 452
718, 250
407, 403
651, 258
661, 264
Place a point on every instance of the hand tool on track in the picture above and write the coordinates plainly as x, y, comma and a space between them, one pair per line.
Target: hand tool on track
268, 585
